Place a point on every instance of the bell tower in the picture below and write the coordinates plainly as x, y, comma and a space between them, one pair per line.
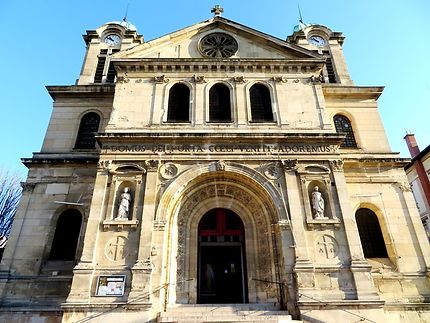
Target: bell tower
102, 43
328, 43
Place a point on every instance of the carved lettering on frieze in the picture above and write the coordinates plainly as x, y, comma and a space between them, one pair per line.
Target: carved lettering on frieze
161, 79
296, 81
336, 165
138, 81
404, 186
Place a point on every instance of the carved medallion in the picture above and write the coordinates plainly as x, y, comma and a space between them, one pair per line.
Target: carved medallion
168, 171
272, 171
326, 247
115, 249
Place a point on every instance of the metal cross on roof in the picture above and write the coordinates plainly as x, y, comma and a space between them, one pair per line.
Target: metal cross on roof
217, 10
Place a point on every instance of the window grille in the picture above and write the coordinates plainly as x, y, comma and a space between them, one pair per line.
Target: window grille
343, 126
179, 104
261, 105
87, 130
219, 103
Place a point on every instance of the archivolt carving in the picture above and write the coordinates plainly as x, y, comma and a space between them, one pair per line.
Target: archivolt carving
229, 189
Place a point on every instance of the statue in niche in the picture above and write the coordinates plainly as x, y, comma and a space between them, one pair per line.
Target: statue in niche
124, 205
317, 204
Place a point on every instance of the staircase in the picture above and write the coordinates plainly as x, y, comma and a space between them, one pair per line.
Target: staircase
221, 313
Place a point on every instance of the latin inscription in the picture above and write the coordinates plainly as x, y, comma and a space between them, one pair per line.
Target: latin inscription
220, 149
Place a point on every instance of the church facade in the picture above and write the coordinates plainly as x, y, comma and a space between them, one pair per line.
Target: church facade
215, 167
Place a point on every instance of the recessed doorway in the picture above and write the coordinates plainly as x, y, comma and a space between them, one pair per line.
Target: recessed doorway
221, 265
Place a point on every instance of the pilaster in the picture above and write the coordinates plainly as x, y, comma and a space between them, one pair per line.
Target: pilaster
141, 271
83, 271
360, 268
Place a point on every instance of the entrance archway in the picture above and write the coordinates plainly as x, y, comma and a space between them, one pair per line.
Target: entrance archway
221, 264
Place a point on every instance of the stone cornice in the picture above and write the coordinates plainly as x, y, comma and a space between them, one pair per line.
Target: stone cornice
94, 90
266, 138
350, 92
384, 160
205, 65
60, 158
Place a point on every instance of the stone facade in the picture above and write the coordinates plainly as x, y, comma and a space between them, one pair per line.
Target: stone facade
258, 170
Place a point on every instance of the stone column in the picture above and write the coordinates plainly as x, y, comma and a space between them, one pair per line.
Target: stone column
141, 271
360, 268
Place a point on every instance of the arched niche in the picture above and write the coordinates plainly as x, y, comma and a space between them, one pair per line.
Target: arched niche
121, 176
312, 176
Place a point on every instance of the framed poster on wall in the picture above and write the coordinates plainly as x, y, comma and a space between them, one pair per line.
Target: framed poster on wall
110, 285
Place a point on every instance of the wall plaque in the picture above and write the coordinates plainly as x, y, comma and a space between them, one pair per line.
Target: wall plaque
110, 285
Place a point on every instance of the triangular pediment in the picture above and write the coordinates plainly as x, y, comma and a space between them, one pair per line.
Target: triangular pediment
184, 43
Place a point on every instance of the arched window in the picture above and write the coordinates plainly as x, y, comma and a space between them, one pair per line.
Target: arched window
219, 103
261, 105
179, 104
87, 131
343, 126
370, 232
66, 236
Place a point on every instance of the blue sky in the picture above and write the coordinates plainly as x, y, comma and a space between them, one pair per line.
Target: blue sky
387, 44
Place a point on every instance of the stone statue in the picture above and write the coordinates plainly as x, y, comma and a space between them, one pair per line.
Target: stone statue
317, 204
124, 205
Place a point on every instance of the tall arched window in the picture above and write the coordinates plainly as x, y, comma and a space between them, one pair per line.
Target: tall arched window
343, 126
66, 236
370, 232
261, 105
87, 130
219, 103
179, 104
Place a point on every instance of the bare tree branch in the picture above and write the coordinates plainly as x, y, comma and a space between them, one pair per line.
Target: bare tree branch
10, 194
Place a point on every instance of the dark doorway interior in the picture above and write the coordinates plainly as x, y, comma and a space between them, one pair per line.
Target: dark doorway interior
221, 263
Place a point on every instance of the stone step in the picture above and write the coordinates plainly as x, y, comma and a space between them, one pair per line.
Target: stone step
215, 313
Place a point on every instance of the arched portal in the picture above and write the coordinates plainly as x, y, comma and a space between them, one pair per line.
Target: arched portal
221, 264
249, 196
